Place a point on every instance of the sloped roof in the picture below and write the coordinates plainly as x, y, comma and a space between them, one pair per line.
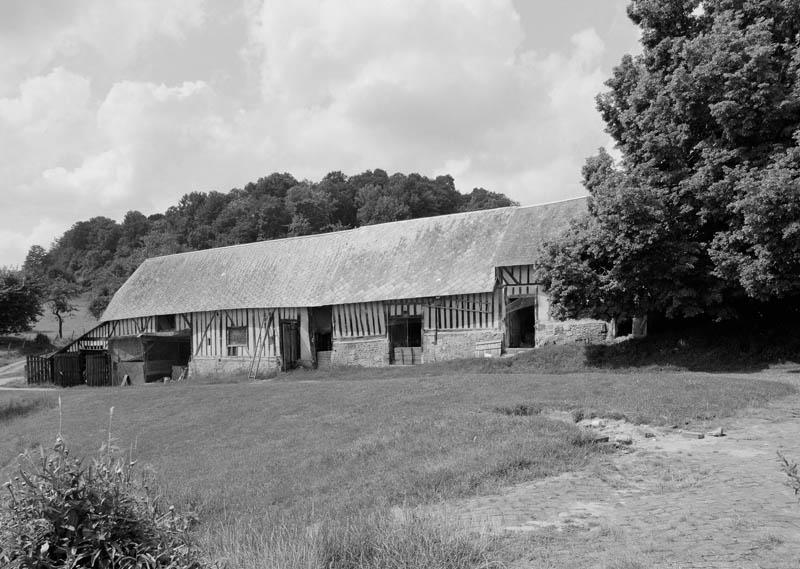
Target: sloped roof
432, 256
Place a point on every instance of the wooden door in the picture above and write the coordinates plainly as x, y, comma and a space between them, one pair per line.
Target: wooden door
98, 370
290, 344
67, 369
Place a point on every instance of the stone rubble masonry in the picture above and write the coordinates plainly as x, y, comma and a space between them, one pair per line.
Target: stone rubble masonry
230, 366
452, 345
374, 351
365, 352
571, 332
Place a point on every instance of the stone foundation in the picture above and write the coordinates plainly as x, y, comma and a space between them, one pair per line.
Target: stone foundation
365, 352
571, 332
453, 345
230, 367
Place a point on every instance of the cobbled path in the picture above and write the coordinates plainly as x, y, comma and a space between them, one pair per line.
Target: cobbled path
671, 501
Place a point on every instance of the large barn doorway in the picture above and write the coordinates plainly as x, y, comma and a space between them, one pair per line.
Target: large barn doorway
521, 322
149, 357
290, 344
405, 340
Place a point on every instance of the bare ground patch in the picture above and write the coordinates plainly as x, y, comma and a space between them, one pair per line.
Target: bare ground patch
670, 501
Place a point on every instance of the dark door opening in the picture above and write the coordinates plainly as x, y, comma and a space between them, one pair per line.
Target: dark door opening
406, 332
290, 344
322, 330
521, 322
405, 340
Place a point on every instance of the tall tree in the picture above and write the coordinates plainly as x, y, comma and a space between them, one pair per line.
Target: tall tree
20, 302
703, 209
58, 297
55, 289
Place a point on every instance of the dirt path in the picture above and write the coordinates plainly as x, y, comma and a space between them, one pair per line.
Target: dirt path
12, 372
671, 501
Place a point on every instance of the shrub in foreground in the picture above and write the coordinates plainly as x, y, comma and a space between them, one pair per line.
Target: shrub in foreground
61, 513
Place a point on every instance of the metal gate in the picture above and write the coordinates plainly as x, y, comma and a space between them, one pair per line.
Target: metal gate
290, 344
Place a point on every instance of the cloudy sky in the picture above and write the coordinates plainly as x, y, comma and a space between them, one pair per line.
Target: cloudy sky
113, 105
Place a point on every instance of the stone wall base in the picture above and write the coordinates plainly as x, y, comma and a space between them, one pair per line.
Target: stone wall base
453, 345
365, 352
571, 332
229, 367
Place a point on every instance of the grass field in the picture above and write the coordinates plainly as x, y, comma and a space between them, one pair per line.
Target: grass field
262, 462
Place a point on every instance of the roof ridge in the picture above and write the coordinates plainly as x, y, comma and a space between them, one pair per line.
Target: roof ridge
363, 227
553, 202
340, 232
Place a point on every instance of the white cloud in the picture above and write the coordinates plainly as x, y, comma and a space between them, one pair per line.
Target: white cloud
58, 97
47, 122
14, 245
102, 179
113, 31
421, 85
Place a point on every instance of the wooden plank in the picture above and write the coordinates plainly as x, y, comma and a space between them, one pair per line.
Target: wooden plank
373, 320
203, 343
343, 321
365, 318
351, 320
354, 313
221, 328
334, 322
381, 314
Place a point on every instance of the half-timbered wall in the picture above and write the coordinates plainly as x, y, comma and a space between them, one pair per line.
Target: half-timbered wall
210, 331
462, 312
518, 280
360, 320
97, 338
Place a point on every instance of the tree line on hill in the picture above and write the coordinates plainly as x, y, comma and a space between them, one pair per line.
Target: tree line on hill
99, 254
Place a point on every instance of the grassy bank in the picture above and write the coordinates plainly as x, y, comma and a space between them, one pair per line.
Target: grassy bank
258, 461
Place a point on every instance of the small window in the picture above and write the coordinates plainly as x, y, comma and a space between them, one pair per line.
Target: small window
165, 323
237, 336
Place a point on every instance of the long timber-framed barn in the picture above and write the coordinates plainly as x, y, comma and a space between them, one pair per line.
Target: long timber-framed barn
414, 291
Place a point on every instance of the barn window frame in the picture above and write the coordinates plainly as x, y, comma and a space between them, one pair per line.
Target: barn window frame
166, 323
237, 336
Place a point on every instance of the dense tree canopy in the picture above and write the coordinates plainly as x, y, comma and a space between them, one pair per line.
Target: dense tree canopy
56, 288
100, 254
20, 306
702, 215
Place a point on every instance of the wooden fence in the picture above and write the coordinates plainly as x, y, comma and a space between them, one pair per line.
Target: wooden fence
39, 369
70, 369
